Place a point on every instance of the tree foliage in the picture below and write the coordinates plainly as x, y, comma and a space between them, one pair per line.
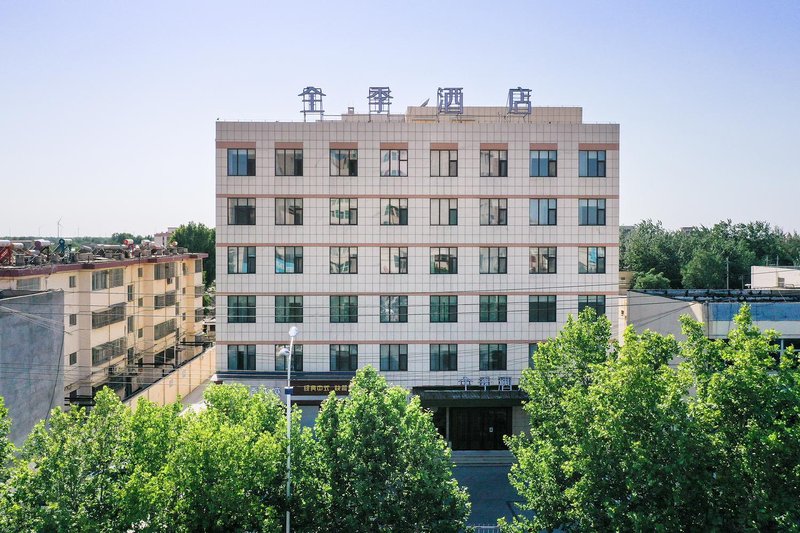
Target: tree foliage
224, 468
706, 257
651, 280
620, 440
388, 467
198, 237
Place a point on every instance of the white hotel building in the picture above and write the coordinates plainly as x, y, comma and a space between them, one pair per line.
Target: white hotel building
438, 248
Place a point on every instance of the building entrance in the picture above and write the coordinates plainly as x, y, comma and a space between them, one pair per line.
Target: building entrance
479, 428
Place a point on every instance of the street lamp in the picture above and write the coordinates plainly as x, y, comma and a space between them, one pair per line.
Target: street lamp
287, 355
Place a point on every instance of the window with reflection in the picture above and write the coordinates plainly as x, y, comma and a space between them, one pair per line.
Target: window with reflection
241, 162
394, 211
394, 357
344, 211
288, 259
241, 357
344, 260
444, 357
444, 308
493, 356
592, 260
494, 163
494, 211
394, 260
288, 161
592, 212
344, 309
592, 163
288, 211
394, 163
543, 260
493, 308
596, 302
242, 211
542, 308
288, 309
493, 260
444, 163
544, 163
297, 358
241, 259
394, 309
344, 357
241, 309
543, 211
344, 162
444, 260
444, 211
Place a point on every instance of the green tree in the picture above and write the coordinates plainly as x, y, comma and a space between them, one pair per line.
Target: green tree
706, 270
6, 446
199, 238
650, 280
649, 246
388, 468
622, 441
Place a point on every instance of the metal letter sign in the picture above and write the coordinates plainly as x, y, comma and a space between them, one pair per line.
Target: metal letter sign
380, 98
519, 101
450, 100
312, 101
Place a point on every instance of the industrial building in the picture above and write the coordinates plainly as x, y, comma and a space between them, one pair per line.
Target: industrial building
131, 314
439, 245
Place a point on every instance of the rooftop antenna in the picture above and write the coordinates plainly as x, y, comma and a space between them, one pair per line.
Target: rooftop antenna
58, 228
425, 103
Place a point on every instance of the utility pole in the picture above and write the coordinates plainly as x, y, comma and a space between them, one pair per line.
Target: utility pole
728, 273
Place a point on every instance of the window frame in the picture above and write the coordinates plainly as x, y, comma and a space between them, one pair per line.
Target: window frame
286, 208
388, 265
487, 354
585, 169
297, 267
348, 206
386, 156
244, 259
352, 259
451, 212
451, 163
394, 357
288, 309
247, 212
343, 309
443, 308
598, 301
493, 308
235, 162
496, 206
486, 255
350, 162
585, 264
388, 210
585, 210
245, 313
486, 163
550, 164
393, 309
244, 353
451, 260
550, 211
444, 360
341, 352
549, 256
296, 160
542, 308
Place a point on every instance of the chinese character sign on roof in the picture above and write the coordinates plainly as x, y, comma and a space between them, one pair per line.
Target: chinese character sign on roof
450, 100
519, 101
312, 100
380, 98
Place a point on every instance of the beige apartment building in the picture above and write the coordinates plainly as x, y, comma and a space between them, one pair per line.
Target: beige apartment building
130, 316
438, 248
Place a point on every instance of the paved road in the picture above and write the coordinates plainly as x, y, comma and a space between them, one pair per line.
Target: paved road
491, 494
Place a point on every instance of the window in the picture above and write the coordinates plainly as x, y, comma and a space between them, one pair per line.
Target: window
140, 333
140, 272
199, 290
241, 162
444, 260
140, 302
165, 328
242, 211
184, 268
598, 303
394, 357
288, 259
344, 162
444, 357
494, 163
73, 320
493, 260
543, 260
542, 308
297, 358
106, 317
130, 324
444, 163
344, 260
241, 259
543, 211
444, 309
103, 352
99, 280
33, 284
592, 164
73, 358
288, 211
493, 356
532, 349
592, 212
130, 293
344, 211
241, 357
73, 281
394, 162
493, 308
394, 260
344, 309
494, 211
161, 301
198, 266
543, 163
241, 309
344, 357
444, 212
288, 309
394, 211
394, 309
592, 260
288, 162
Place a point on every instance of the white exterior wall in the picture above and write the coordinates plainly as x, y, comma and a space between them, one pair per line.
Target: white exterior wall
772, 277
316, 235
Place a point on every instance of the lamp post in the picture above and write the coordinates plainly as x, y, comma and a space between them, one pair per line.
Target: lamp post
287, 354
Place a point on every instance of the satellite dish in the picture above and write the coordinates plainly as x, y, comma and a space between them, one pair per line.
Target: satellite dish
425, 103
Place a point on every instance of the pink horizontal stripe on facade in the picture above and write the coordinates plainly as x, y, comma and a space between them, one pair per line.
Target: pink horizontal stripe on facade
598, 146
544, 146
465, 196
494, 146
419, 244
235, 144
380, 341
394, 146
444, 146
344, 146
434, 293
288, 145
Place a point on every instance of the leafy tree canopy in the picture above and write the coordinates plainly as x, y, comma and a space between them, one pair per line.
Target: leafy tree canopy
199, 238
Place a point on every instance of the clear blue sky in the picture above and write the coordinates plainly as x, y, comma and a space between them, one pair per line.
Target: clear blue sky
107, 108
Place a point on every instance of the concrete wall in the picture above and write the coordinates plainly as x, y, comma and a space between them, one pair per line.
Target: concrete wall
660, 314
31, 367
181, 382
771, 277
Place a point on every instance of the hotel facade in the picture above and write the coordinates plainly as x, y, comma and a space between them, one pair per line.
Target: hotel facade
438, 248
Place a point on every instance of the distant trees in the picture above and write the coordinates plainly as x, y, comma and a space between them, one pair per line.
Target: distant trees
706, 257
199, 238
224, 468
622, 441
117, 238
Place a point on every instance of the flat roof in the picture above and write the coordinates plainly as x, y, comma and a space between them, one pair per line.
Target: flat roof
96, 263
726, 295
